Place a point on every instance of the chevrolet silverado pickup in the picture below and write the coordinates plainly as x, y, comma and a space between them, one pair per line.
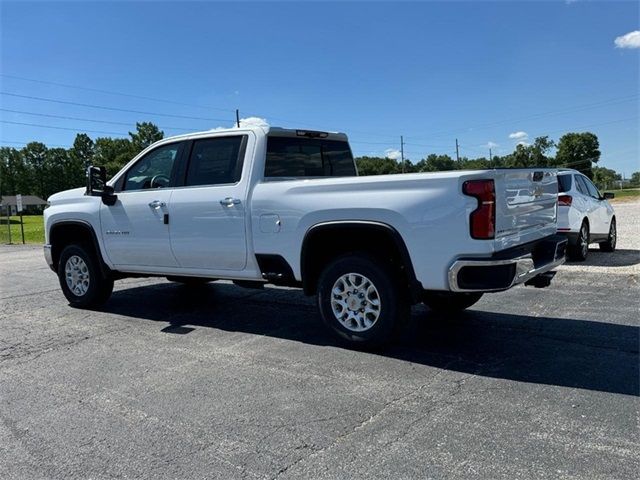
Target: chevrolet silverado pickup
263, 205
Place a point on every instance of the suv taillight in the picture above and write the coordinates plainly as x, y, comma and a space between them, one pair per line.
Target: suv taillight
483, 218
565, 200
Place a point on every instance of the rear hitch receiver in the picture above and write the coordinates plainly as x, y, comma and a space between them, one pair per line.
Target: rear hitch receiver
541, 281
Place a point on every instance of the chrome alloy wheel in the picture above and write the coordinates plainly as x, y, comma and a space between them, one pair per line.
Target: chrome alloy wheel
355, 302
77, 275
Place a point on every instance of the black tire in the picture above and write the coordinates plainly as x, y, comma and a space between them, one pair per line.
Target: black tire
96, 291
580, 250
610, 244
393, 305
189, 280
450, 302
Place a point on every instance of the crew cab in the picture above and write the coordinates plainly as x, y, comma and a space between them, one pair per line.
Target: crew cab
263, 205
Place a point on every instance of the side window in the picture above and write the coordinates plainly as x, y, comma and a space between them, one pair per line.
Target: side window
153, 170
593, 191
216, 161
582, 187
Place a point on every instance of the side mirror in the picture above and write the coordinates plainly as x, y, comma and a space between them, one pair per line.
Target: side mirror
608, 196
97, 185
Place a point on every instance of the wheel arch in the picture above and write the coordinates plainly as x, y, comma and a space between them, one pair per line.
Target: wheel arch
67, 232
327, 240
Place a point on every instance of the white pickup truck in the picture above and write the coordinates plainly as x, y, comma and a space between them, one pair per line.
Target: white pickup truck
262, 205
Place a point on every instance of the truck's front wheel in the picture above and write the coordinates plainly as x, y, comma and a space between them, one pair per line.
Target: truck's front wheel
361, 301
80, 278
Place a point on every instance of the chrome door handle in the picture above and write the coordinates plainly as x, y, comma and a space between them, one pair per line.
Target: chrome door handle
157, 204
229, 202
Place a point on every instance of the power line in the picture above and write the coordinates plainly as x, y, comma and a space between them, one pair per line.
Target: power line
87, 119
27, 143
108, 92
102, 107
64, 128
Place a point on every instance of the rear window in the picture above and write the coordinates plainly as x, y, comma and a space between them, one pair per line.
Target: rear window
564, 183
306, 157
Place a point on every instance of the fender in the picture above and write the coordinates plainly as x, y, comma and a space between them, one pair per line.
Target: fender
414, 285
104, 268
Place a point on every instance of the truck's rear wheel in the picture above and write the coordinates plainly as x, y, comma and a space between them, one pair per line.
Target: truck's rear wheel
80, 277
450, 302
361, 301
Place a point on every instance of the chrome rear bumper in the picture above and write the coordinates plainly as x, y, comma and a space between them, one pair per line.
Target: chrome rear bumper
496, 273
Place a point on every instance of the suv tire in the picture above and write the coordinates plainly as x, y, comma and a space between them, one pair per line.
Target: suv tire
580, 250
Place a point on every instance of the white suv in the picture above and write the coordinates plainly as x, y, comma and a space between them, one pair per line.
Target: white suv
584, 214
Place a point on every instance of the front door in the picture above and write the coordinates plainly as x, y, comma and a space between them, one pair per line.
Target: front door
135, 230
208, 213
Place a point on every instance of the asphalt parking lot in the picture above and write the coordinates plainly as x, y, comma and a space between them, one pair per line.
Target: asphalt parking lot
223, 382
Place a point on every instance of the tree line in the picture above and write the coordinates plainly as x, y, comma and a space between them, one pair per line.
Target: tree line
38, 170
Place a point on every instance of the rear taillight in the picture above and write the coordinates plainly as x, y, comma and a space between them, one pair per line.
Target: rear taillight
483, 218
565, 200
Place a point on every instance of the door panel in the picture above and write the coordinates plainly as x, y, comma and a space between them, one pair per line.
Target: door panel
134, 232
205, 233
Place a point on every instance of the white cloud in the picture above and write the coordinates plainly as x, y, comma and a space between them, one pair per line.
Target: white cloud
492, 145
519, 135
247, 122
630, 40
392, 153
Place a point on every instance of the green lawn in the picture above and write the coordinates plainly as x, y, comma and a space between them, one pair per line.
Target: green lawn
626, 194
33, 229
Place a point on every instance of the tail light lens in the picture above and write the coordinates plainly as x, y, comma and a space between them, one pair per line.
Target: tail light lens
565, 200
483, 218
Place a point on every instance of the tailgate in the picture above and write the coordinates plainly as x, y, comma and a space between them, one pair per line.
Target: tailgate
526, 205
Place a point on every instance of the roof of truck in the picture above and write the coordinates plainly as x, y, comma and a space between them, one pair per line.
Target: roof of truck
265, 130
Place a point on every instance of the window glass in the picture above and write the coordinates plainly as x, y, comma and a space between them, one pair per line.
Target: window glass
153, 170
582, 187
564, 183
215, 161
306, 157
593, 191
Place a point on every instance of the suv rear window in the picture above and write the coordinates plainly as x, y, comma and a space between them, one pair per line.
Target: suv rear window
564, 183
308, 157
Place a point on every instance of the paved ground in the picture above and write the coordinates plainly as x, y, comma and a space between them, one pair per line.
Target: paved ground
166, 382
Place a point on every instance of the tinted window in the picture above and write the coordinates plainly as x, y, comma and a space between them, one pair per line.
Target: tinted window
215, 161
564, 183
153, 170
306, 157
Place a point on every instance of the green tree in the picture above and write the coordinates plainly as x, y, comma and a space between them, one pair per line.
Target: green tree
13, 175
35, 159
635, 179
113, 153
57, 171
80, 157
534, 155
436, 163
376, 166
146, 134
605, 178
579, 151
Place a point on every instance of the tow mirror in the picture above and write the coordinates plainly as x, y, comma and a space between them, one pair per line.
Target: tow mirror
97, 185
608, 195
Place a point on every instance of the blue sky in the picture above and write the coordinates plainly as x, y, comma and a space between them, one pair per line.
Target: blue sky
431, 71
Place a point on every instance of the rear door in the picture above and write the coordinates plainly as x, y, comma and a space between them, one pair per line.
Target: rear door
600, 218
208, 211
526, 205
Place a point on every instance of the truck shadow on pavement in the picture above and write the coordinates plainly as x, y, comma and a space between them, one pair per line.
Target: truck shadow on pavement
553, 351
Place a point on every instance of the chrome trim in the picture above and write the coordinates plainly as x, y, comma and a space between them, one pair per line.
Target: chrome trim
47, 255
525, 270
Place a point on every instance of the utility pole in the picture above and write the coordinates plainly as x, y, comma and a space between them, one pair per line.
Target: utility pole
490, 157
237, 118
402, 152
457, 152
